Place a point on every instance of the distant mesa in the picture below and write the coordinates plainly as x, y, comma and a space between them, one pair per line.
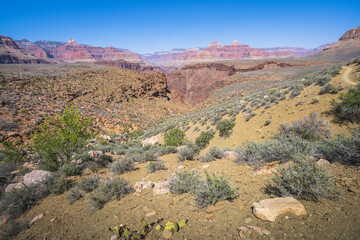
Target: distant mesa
235, 42
72, 41
215, 44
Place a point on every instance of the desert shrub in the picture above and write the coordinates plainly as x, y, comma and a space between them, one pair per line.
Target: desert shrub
328, 88
164, 150
213, 154
57, 183
104, 160
155, 166
204, 139
310, 128
252, 114
184, 181
343, 149
267, 122
315, 100
349, 107
122, 166
188, 152
60, 137
212, 190
70, 169
89, 184
296, 90
304, 179
18, 201
225, 127
109, 189
74, 194
12, 229
281, 148
92, 166
174, 137
11, 153
147, 156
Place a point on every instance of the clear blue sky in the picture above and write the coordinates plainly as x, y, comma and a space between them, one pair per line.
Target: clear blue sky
149, 26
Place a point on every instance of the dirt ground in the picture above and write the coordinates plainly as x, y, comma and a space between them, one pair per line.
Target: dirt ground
326, 219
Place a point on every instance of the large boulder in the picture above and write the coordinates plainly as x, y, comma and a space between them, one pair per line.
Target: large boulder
269, 209
35, 177
142, 185
13, 186
161, 188
229, 155
150, 141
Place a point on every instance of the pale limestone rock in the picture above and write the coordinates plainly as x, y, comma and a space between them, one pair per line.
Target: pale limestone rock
259, 230
265, 170
229, 155
35, 177
322, 162
13, 186
269, 209
150, 141
36, 218
142, 185
161, 188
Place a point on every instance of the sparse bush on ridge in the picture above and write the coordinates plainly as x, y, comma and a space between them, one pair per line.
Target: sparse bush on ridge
296, 90
328, 88
121, 166
155, 166
310, 128
70, 169
188, 152
174, 137
89, 184
304, 179
12, 229
184, 181
109, 189
213, 154
212, 190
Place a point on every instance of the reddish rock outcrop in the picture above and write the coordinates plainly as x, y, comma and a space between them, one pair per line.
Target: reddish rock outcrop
11, 53
129, 65
351, 34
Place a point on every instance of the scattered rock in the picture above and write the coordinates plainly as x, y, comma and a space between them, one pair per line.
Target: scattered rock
264, 170
114, 237
322, 162
213, 208
229, 154
248, 220
142, 185
106, 137
94, 153
270, 164
35, 177
150, 214
210, 217
181, 167
269, 209
243, 230
36, 218
5, 220
161, 188
150, 141
205, 166
13, 186
167, 234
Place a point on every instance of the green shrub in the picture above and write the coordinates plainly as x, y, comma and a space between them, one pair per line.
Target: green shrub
57, 184
109, 189
155, 166
267, 122
304, 179
70, 169
315, 100
164, 150
184, 181
174, 137
296, 90
11, 153
310, 128
60, 137
204, 139
104, 160
12, 229
213, 190
328, 88
251, 115
349, 107
225, 127
122, 166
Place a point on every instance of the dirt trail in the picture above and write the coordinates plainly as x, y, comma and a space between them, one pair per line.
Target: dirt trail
346, 75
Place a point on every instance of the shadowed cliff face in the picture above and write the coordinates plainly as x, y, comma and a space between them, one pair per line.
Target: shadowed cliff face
195, 83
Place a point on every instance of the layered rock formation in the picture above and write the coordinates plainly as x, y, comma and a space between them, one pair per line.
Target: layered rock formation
195, 83
11, 53
214, 51
129, 65
300, 52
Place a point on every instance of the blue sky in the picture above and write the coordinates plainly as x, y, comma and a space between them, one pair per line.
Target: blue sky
149, 26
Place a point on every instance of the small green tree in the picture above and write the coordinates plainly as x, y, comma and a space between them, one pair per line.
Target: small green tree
225, 126
174, 137
349, 108
60, 137
204, 139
